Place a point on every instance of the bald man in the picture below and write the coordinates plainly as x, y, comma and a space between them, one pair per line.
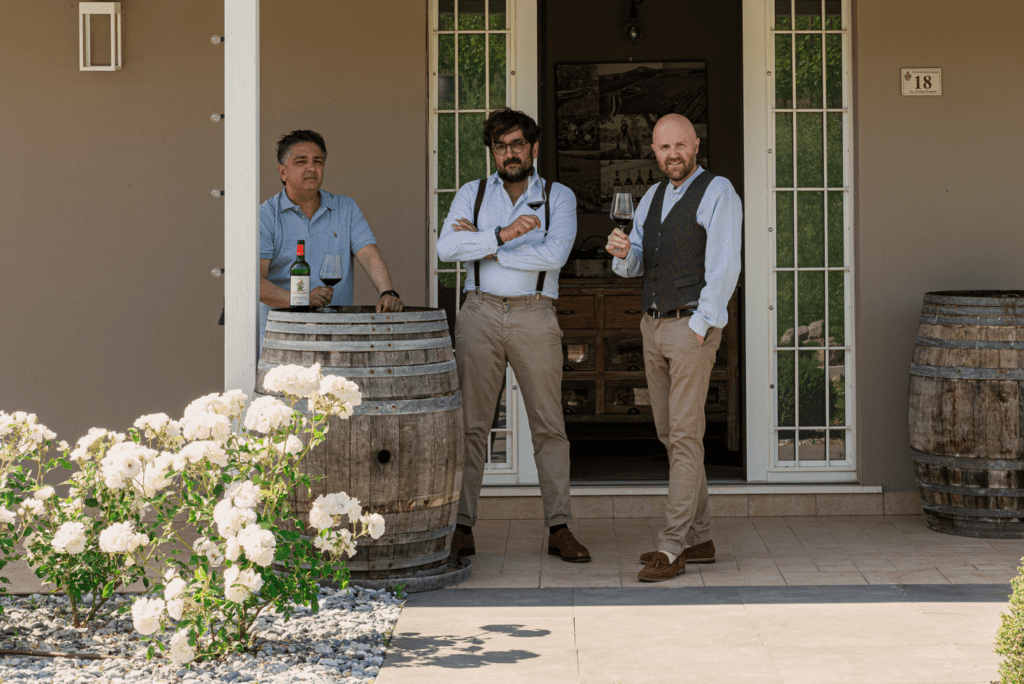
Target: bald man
686, 243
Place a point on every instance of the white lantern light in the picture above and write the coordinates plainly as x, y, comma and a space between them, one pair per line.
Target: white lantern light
86, 10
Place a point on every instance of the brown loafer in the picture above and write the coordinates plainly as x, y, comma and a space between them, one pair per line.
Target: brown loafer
658, 569
701, 553
462, 545
564, 545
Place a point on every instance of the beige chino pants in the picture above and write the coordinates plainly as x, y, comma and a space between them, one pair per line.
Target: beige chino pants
678, 375
523, 332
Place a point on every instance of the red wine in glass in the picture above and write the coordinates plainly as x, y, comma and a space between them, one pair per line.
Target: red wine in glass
331, 282
330, 275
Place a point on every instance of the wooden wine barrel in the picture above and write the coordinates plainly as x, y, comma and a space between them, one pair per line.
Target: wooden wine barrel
401, 453
966, 412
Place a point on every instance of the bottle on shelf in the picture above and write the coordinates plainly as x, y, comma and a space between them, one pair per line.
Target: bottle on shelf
616, 184
299, 293
650, 178
628, 185
639, 185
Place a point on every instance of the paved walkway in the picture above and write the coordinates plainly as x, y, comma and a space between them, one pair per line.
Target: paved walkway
865, 600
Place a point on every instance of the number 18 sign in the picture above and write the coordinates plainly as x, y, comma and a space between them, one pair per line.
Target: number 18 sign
921, 81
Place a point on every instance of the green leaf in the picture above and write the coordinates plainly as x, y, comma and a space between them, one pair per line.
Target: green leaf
108, 590
92, 503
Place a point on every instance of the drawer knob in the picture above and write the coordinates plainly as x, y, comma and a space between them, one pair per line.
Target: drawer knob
634, 368
565, 312
634, 410
567, 367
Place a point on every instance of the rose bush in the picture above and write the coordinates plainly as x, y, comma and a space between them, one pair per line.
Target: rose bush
224, 475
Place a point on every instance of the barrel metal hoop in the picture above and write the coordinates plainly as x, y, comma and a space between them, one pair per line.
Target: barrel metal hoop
972, 512
971, 491
397, 407
972, 320
1004, 309
386, 317
960, 373
360, 346
341, 330
366, 566
377, 371
969, 344
969, 463
408, 537
1010, 299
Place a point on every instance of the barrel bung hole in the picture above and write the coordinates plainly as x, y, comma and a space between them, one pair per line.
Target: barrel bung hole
383, 456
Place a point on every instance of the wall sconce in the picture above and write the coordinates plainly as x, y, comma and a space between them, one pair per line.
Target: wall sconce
633, 31
85, 12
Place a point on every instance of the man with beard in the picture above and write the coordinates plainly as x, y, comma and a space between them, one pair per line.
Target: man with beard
686, 244
509, 318
329, 224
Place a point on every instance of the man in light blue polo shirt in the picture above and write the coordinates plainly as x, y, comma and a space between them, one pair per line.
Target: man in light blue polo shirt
329, 224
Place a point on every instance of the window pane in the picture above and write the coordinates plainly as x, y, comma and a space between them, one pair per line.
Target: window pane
837, 308
837, 388
783, 10
784, 296
471, 71
783, 71
809, 150
810, 221
497, 15
835, 230
471, 15
444, 204
784, 229
446, 71
446, 151
808, 14
784, 149
833, 71
472, 153
835, 149
837, 445
808, 70
497, 67
786, 407
810, 286
811, 446
446, 15
833, 14
787, 452
811, 391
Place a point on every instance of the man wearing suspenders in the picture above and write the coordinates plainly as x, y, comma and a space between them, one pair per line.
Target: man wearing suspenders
509, 318
686, 244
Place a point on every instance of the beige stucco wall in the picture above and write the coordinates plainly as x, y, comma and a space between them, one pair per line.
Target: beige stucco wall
938, 189
108, 228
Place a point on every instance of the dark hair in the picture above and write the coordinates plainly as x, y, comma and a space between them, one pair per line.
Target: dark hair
287, 142
503, 121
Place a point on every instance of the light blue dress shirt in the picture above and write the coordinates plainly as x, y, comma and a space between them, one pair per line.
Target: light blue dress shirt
520, 260
721, 214
337, 227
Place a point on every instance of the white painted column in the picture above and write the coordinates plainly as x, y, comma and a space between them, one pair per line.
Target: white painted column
241, 191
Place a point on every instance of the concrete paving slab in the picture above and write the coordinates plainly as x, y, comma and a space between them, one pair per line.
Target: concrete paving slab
717, 665
898, 664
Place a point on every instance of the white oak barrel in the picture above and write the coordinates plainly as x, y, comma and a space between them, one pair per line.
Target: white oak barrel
966, 412
401, 453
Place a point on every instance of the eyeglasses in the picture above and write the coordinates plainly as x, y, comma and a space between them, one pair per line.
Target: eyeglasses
516, 146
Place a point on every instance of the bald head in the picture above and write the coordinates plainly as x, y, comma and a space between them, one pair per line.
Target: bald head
674, 124
675, 145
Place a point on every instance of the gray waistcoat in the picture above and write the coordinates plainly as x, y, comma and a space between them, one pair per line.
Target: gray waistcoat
674, 250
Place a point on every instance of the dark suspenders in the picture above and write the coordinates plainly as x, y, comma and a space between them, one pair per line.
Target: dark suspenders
476, 215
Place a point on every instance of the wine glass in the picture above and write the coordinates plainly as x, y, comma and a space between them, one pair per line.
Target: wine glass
622, 209
330, 275
535, 197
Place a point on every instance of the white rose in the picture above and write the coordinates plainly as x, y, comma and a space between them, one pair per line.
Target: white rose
233, 402
202, 426
232, 549
204, 404
234, 590
152, 425
320, 518
175, 608
292, 445
146, 615
258, 544
121, 538
267, 414
295, 380
204, 547
180, 652
243, 494
175, 588
31, 507
375, 523
70, 538
342, 389
7, 516
44, 493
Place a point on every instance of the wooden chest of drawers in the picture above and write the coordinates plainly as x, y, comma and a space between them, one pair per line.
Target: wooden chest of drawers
603, 376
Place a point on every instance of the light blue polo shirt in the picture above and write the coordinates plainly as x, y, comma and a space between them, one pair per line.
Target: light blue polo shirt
337, 227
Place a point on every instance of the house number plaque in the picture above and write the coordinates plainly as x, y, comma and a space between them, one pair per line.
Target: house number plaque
921, 81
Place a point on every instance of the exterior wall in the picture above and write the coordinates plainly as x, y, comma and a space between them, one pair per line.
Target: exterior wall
109, 232
938, 196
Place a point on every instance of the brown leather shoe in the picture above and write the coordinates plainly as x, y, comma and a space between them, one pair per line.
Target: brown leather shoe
701, 553
462, 545
658, 569
564, 545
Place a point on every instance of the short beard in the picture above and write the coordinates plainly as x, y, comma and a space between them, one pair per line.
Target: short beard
685, 173
524, 173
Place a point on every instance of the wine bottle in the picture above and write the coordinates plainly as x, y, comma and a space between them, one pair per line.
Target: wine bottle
628, 186
650, 178
616, 183
299, 294
639, 185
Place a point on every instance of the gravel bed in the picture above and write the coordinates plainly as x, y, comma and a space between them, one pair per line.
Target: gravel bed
345, 642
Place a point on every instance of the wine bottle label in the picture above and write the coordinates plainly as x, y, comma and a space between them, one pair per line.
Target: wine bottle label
300, 291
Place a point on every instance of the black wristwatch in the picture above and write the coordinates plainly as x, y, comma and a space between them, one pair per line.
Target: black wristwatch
497, 234
390, 292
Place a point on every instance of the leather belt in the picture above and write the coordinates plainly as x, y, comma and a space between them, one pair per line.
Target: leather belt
681, 312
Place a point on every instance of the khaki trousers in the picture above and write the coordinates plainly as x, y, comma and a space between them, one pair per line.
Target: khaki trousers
523, 332
678, 374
